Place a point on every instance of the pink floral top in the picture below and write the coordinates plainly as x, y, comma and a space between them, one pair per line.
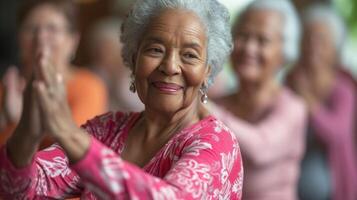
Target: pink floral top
202, 161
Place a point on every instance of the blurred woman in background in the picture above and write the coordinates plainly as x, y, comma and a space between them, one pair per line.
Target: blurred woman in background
267, 118
329, 169
50, 24
104, 50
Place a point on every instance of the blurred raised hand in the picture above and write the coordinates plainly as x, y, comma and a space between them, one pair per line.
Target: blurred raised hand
30, 131
13, 85
51, 93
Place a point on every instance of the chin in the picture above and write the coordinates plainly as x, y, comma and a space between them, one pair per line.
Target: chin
247, 76
165, 105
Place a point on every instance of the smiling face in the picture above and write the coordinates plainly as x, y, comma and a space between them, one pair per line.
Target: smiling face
46, 26
318, 48
171, 62
258, 44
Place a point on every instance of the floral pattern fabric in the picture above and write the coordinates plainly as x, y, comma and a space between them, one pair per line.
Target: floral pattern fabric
202, 161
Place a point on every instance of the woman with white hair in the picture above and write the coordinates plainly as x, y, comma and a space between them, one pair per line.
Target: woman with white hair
329, 168
267, 118
174, 149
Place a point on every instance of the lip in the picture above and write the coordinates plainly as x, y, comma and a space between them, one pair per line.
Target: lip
167, 87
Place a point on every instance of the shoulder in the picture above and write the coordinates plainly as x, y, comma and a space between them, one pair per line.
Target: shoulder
345, 85
291, 102
213, 133
83, 77
107, 124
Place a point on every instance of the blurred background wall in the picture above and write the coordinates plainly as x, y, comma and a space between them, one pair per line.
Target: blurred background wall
93, 10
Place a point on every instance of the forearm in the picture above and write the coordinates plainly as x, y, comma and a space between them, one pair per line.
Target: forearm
21, 147
75, 143
115, 178
48, 170
3, 121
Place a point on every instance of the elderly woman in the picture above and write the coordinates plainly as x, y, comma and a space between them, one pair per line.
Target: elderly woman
267, 118
329, 168
174, 149
49, 24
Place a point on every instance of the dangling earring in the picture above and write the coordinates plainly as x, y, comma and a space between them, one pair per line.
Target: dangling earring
132, 87
204, 97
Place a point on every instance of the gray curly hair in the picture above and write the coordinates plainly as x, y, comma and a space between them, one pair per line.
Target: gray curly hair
328, 15
291, 30
213, 15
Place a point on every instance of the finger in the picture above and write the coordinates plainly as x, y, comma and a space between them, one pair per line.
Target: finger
10, 77
22, 83
60, 85
43, 65
37, 74
46, 71
47, 107
43, 98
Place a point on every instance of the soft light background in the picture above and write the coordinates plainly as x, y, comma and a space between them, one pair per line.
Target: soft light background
347, 8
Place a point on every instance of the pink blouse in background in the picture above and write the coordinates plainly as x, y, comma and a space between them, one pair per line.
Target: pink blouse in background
333, 125
202, 161
272, 148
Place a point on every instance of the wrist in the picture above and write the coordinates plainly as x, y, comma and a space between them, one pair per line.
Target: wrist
75, 143
21, 147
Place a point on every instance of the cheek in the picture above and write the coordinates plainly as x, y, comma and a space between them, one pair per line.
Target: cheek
273, 58
62, 46
143, 69
27, 49
195, 77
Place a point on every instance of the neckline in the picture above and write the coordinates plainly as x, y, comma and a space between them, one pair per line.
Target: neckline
133, 119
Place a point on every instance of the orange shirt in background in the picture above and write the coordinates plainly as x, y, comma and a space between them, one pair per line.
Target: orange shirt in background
86, 95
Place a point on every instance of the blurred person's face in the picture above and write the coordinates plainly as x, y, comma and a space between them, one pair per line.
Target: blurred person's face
171, 62
318, 49
107, 55
45, 26
258, 46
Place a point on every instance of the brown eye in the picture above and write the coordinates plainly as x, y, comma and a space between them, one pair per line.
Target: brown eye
154, 51
190, 56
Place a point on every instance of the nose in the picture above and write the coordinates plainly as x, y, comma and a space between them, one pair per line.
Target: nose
170, 64
41, 36
249, 46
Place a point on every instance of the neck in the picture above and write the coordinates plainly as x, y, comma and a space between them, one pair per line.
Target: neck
158, 124
253, 99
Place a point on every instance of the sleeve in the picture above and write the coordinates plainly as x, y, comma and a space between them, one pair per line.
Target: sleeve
280, 134
48, 175
336, 119
204, 170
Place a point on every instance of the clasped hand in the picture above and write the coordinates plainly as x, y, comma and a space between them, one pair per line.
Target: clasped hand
46, 110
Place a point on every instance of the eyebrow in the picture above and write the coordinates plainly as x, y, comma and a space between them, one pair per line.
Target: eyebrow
193, 44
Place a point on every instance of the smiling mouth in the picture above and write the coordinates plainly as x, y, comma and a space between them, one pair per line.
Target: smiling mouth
167, 87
